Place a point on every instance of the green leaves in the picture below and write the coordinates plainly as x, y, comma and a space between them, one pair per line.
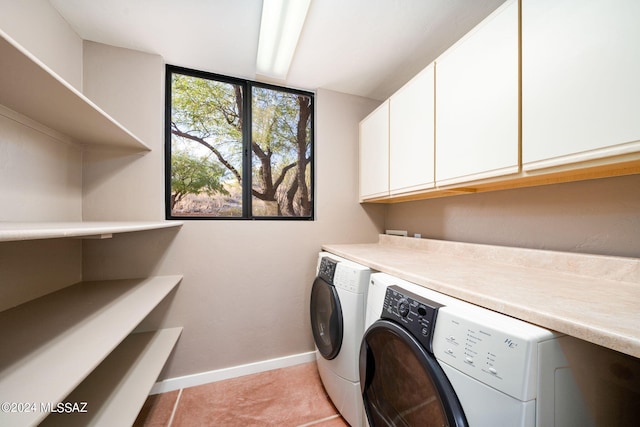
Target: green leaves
193, 175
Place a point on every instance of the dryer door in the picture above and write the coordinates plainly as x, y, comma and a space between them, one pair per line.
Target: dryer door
326, 318
402, 384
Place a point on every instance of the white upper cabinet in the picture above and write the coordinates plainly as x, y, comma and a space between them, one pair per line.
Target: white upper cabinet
580, 80
374, 153
411, 130
477, 114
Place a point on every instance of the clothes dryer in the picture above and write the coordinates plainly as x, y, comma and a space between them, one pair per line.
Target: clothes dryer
337, 309
433, 360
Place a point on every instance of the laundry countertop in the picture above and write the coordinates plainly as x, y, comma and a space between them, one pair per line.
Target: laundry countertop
592, 297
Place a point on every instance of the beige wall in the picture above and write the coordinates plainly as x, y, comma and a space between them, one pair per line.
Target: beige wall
40, 172
598, 216
128, 85
244, 297
39, 28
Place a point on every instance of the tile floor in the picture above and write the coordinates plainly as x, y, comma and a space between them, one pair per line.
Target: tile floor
284, 397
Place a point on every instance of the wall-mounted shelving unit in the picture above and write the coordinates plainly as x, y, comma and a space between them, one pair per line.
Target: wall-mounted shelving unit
51, 344
32, 89
114, 392
76, 344
12, 231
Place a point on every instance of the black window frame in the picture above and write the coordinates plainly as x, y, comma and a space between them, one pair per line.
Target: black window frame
247, 199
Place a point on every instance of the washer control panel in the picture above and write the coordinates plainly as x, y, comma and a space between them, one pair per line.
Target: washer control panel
327, 269
354, 279
495, 349
415, 313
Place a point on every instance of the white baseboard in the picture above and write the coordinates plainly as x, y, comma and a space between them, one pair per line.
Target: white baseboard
233, 372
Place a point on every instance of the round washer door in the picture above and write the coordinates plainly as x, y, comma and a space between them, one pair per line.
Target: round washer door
402, 384
326, 318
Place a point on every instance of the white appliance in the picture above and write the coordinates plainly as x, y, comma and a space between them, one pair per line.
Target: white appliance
337, 311
498, 371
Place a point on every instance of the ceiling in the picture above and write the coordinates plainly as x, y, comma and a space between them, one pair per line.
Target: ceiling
362, 47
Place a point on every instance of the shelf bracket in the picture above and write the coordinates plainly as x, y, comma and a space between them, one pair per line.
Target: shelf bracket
96, 236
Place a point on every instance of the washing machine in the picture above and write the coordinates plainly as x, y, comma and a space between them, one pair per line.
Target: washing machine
427, 359
338, 298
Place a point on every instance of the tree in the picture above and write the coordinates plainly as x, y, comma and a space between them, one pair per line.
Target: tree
210, 114
281, 138
192, 175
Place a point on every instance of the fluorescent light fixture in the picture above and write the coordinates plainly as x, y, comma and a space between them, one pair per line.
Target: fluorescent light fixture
279, 32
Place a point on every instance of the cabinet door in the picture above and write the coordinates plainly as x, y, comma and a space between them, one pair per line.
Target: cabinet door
411, 125
374, 153
580, 80
477, 102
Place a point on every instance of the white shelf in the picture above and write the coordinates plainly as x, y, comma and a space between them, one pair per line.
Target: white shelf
29, 87
11, 231
51, 344
117, 389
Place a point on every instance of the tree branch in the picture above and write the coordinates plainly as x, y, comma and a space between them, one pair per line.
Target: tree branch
201, 141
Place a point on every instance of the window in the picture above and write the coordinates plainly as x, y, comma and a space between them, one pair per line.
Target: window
236, 148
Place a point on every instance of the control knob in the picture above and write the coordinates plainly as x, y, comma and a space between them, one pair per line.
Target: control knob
403, 307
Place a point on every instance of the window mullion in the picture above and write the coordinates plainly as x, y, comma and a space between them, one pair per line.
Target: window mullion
247, 209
